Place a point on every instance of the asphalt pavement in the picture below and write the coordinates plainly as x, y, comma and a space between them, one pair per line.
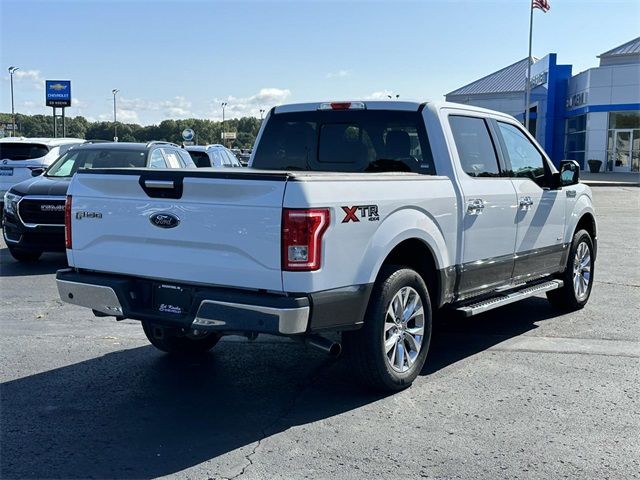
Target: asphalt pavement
518, 392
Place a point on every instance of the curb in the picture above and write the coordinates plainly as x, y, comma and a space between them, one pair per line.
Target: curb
596, 183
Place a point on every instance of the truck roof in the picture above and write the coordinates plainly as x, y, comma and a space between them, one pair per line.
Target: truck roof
411, 106
370, 105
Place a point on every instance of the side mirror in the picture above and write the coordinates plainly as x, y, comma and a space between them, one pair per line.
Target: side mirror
569, 173
36, 172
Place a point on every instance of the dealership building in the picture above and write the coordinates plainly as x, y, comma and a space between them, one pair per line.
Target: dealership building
593, 115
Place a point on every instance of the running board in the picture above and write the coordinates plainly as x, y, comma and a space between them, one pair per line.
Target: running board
507, 298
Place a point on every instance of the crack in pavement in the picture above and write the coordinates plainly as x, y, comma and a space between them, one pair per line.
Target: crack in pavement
308, 383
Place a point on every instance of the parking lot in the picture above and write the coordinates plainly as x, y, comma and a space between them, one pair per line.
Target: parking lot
519, 392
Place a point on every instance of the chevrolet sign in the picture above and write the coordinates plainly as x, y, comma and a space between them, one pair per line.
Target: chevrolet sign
58, 93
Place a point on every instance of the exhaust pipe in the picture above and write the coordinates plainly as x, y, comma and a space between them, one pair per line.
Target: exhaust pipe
328, 346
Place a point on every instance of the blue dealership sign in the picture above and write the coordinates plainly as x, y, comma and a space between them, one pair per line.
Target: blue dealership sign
58, 93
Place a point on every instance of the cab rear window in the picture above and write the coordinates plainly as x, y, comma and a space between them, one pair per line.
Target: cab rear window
345, 141
22, 151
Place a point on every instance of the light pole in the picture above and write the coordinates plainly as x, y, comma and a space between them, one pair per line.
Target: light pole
115, 120
223, 104
261, 113
12, 70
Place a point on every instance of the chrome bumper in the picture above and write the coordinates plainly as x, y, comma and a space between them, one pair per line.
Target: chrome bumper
97, 297
211, 314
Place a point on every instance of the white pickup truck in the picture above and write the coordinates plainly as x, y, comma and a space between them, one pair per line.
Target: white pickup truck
357, 217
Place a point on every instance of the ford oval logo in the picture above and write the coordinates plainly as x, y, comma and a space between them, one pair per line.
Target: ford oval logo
164, 220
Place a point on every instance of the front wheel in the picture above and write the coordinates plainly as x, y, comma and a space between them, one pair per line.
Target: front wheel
390, 349
578, 275
172, 341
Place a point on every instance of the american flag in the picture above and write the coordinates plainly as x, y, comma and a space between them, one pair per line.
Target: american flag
541, 4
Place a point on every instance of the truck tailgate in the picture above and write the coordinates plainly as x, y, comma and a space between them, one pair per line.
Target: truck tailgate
220, 229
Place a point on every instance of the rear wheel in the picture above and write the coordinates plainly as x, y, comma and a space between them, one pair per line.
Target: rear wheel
390, 349
578, 275
171, 340
24, 255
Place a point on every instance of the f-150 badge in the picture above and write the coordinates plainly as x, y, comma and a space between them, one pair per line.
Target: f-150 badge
369, 212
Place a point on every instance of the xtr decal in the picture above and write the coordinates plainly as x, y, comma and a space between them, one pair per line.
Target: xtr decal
366, 211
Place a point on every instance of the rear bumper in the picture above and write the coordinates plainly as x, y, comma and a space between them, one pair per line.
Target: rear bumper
218, 309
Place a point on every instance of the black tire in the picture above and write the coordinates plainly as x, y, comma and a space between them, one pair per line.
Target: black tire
365, 348
566, 298
24, 255
171, 340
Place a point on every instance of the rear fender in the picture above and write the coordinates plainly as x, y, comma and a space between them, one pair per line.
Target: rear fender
401, 225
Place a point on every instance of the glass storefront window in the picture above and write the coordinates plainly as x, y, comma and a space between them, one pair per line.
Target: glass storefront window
576, 139
623, 142
629, 119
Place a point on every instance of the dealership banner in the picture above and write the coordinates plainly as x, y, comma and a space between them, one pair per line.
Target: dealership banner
58, 93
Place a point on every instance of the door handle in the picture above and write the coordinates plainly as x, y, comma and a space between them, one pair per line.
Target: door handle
526, 203
475, 206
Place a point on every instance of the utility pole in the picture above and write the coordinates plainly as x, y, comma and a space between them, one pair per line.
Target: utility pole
115, 118
261, 113
224, 104
12, 70
527, 86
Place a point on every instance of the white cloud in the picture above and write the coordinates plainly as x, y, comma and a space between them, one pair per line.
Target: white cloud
32, 77
250, 106
124, 115
145, 111
339, 74
177, 107
128, 116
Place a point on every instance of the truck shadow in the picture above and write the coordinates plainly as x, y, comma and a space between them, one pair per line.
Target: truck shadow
137, 413
48, 263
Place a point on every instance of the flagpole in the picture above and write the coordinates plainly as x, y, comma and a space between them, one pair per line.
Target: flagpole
527, 97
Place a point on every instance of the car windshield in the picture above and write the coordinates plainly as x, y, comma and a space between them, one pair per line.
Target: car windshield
73, 160
22, 151
345, 141
201, 159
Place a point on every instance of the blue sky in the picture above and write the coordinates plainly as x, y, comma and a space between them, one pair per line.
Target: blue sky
178, 59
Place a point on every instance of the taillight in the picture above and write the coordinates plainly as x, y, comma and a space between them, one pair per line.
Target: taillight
67, 222
302, 232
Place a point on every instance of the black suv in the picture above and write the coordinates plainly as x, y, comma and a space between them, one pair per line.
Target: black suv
34, 208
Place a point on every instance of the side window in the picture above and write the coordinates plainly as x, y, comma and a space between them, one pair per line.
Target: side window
217, 158
475, 147
185, 158
223, 158
157, 160
231, 158
526, 160
172, 158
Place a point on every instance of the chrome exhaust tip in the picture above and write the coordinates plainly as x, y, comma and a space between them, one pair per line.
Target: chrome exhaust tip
328, 346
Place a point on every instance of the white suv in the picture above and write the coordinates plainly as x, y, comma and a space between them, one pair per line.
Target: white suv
22, 158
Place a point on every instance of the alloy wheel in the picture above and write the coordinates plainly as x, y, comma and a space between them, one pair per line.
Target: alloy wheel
404, 329
582, 271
